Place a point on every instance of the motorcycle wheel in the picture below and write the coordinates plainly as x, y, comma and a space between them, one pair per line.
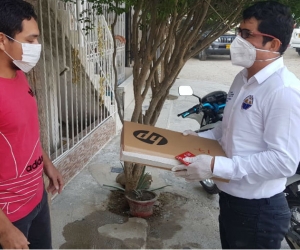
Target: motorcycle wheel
293, 235
209, 186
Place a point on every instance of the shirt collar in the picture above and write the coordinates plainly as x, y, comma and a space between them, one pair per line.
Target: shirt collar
264, 73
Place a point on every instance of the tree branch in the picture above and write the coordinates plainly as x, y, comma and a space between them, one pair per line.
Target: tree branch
117, 97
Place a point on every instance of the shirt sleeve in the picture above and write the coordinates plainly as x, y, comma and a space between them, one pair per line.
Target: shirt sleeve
281, 117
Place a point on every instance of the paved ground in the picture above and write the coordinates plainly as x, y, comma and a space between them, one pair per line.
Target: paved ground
223, 72
88, 215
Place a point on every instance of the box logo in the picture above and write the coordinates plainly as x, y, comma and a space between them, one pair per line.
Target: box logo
150, 137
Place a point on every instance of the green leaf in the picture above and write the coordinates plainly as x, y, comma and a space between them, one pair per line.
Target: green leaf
159, 188
141, 179
119, 188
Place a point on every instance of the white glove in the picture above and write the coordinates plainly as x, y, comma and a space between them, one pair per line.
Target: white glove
198, 170
189, 132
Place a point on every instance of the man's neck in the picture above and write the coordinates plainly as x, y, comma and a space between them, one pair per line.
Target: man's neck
256, 67
7, 73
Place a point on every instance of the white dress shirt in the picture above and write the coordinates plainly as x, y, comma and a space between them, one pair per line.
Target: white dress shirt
260, 133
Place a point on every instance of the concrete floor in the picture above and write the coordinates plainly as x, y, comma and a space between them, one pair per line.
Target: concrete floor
89, 215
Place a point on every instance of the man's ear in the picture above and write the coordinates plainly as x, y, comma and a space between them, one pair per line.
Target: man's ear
275, 45
2, 41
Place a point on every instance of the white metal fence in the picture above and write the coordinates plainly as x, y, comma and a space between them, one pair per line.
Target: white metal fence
78, 73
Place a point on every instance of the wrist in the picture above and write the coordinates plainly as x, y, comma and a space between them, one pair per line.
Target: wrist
5, 224
46, 160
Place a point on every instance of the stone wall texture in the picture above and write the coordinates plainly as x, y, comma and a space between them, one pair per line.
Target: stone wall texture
76, 159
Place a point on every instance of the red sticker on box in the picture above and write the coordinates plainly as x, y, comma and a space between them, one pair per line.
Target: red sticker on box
183, 155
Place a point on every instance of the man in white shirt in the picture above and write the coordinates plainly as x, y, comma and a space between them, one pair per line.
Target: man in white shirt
259, 134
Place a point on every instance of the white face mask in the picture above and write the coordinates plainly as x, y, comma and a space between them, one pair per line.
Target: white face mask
30, 56
243, 53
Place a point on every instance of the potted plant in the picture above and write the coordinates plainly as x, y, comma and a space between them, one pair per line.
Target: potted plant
141, 199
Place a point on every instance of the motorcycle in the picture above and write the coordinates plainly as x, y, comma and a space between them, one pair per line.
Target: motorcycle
292, 194
207, 113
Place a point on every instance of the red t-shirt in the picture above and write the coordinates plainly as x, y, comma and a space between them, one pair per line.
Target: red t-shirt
21, 157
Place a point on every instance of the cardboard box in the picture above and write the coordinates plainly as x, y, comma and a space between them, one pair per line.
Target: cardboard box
158, 147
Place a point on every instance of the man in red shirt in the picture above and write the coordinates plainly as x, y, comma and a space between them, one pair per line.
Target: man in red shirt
24, 211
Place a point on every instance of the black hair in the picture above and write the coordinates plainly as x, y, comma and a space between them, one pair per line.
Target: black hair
12, 14
274, 19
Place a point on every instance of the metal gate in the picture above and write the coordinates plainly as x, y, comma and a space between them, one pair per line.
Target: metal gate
78, 73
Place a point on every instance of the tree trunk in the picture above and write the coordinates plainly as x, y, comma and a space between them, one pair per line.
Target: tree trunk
165, 34
133, 173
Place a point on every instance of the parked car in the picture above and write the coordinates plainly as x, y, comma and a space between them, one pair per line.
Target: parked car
221, 46
295, 40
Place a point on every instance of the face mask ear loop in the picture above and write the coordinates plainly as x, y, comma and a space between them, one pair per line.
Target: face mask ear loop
270, 59
264, 50
12, 39
9, 55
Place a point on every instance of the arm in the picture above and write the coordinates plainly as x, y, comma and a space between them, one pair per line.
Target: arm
10, 236
56, 181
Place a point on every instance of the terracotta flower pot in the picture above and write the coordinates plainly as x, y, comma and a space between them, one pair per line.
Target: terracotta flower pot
141, 207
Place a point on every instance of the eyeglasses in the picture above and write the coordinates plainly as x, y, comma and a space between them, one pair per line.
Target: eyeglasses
245, 33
